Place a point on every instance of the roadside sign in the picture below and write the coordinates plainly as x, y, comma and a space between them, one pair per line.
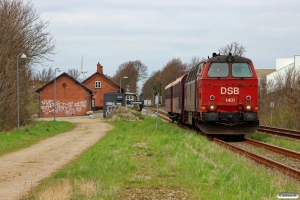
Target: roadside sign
158, 99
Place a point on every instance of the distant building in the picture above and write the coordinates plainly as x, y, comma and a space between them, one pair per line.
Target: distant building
74, 98
261, 73
283, 67
100, 84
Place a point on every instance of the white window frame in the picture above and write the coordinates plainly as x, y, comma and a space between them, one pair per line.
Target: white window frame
129, 97
97, 84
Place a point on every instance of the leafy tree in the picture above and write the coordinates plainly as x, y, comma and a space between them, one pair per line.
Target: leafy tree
21, 31
234, 48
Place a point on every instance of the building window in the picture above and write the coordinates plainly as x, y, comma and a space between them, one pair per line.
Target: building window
129, 98
97, 84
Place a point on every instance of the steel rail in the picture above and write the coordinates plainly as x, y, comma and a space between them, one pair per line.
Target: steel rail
267, 162
280, 131
277, 149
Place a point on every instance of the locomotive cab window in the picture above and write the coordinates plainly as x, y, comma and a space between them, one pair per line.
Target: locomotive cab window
218, 70
241, 70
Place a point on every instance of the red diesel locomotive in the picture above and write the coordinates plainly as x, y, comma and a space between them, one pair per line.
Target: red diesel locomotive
218, 96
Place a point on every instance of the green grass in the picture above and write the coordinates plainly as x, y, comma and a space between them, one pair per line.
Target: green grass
271, 139
136, 161
30, 134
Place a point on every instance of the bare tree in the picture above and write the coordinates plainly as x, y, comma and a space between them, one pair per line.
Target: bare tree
234, 48
151, 86
21, 31
157, 82
194, 61
136, 72
74, 73
171, 71
284, 91
44, 76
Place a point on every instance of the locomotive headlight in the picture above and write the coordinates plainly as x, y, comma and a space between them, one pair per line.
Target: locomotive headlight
248, 107
212, 107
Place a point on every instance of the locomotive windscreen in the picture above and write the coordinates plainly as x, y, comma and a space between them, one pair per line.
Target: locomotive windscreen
241, 70
218, 70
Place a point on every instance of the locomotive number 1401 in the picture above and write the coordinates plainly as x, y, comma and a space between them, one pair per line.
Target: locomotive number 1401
230, 100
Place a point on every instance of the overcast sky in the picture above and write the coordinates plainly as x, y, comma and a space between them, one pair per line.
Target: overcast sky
155, 31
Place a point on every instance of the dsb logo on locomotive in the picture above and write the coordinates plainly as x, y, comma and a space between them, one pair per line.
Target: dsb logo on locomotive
230, 90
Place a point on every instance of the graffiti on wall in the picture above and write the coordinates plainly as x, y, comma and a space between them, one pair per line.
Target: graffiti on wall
68, 108
111, 106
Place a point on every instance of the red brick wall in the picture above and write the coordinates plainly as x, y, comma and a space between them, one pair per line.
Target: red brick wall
71, 98
106, 87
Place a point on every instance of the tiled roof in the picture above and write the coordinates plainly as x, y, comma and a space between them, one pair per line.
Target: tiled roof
65, 74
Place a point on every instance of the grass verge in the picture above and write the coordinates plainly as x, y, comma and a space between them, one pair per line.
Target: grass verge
31, 134
278, 141
136, 161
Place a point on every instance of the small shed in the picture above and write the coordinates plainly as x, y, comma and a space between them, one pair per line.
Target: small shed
129, 97
111, 101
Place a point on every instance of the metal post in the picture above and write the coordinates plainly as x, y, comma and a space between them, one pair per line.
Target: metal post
57, 69
271, 118
156, 115
120, 82
18, 95
147, 108
272, 105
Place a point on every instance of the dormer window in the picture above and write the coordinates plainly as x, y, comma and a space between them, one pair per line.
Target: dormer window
97, 84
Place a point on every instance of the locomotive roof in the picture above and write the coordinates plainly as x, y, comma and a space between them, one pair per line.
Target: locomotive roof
222, 59
176, 81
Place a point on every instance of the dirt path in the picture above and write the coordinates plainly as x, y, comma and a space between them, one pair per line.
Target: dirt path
24, 169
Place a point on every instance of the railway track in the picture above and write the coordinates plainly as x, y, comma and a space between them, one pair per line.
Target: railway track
281, 166
280, 131
270, 130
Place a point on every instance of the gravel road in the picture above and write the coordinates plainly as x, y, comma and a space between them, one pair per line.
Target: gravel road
22, 170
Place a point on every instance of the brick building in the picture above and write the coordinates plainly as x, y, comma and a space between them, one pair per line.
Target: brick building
100, 85
74, 98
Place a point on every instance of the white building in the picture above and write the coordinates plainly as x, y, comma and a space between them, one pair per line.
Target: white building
283, 67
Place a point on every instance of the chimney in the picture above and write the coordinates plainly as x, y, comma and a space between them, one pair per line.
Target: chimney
99, 68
